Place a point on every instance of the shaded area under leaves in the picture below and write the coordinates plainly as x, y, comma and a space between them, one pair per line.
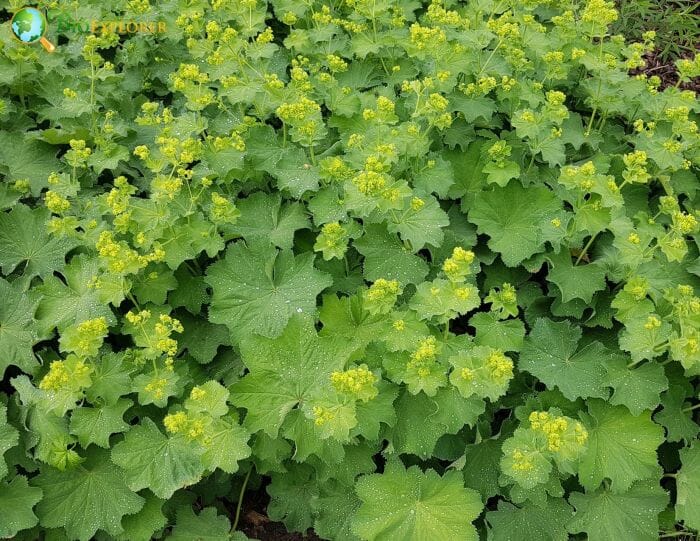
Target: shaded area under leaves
257, 525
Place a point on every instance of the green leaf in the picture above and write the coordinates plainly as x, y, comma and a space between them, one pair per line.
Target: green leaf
264, 218
17, 500
228, 446
473, 107
422, 226
23, 239
507, 335
26, 159
17, 333
212, 400
544, 523
639, 388
422, 420
153, 285
386, 257
640, 341
575, 282
206, 526
191, 292
142, 525
415, 505
295, 174
335, 509
551, 353
514, 218
345, 318
284, 372
675, 417
97, 482
9, 437
201, 338
65, 304
482, 467
606, 515
436, 179
290, 495
621, 447
110, 380
688, 487
96, 425
501, 173
152, 460
257, 289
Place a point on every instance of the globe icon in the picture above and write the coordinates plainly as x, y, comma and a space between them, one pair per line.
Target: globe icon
29, 25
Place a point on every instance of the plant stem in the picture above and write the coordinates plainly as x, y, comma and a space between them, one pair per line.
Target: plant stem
21, 84
691, 408
585, 249
240, 499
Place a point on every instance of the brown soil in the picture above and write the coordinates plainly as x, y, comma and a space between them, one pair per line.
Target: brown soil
666, 70
257, 525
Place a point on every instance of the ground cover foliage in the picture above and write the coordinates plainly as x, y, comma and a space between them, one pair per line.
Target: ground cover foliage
423, 270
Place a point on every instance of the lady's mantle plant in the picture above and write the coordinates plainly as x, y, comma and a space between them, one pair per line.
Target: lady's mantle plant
429, 270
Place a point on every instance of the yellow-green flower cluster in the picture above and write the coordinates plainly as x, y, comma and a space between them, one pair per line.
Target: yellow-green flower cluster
78, 154
499, 151
157, 388
359, 382
322, 415
197, 393
71, 374
503, 300
336, 64
192, 428
165, 326
424, 357
381, 296
599, 12
334, 168
332, 241
522, 461
482, 371
684, 223
581, 177
120, 258
384, 112
86, 338
685, 340
438, 15
299, 111
636, 167
56, 203
559, 430
118, 200
426, 37
223, 211
149, 116
458, 266
22, 185
180, 152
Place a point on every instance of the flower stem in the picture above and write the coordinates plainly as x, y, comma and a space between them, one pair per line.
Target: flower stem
585, 249
240, 499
